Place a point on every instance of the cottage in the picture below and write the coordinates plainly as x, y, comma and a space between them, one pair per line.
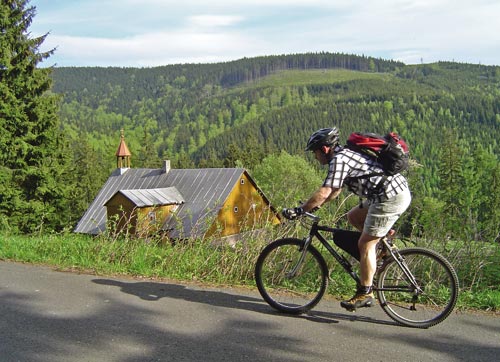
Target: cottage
177, 202
142, 212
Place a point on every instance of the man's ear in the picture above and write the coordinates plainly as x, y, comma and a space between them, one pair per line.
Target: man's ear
325, 149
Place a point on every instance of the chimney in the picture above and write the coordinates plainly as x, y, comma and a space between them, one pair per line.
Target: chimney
166, 166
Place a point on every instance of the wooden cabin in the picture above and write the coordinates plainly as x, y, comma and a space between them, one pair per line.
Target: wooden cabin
178, 202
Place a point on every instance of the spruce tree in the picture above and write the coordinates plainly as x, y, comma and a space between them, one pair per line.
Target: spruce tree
32, 150
451, 181
87, 178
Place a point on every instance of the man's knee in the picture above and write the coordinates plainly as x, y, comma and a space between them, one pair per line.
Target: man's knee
356, 217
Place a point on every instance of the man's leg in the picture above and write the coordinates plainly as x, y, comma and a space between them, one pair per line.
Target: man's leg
368, 259
357, 216
364, 295
367, 249
371, 220
366, 244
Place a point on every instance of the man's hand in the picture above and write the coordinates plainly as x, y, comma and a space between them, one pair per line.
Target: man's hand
292, 213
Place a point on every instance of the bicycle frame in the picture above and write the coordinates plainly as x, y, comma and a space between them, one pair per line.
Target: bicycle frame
315, 232
400, 261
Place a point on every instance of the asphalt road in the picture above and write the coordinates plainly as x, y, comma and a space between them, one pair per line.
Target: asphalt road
47, 315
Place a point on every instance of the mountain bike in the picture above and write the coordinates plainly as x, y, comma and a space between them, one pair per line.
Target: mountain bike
416, 287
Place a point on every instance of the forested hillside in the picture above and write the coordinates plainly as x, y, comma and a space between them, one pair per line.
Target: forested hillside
160, 102
60, 129
214, 115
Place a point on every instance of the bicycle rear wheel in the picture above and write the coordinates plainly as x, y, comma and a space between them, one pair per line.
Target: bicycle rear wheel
425, 305
287, 284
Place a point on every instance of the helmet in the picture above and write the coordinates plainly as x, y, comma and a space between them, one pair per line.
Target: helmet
323, 137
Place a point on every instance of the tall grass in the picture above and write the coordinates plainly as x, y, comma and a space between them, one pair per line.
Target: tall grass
219, 262
189, 259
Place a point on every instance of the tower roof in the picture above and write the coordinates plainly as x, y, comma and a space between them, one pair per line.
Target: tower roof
123, 150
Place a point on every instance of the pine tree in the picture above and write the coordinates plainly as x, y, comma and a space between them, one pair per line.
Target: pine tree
32, 149
148, 157
87, 178
451, 179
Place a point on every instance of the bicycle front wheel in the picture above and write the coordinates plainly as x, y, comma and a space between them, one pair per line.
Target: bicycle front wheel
426, 300
287, 282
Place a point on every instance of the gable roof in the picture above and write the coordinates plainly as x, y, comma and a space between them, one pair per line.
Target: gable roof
152, 197
204, 192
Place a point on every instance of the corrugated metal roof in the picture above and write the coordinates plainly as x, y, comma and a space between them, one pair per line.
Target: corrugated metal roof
153, 197
204, 192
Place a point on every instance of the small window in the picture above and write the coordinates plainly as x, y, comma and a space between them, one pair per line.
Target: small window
152, 216
242, 181
235, 209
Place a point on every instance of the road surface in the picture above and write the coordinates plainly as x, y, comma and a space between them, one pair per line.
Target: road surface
47, 315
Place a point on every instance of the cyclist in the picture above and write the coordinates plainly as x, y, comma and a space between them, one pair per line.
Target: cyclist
381, 205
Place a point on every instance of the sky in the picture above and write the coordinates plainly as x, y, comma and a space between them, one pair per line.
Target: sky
147, 33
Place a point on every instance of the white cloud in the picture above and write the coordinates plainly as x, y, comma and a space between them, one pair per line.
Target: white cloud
156, 32
214, 20
155, 48
246, 3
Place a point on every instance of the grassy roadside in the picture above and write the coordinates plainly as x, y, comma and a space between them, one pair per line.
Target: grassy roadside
192, 260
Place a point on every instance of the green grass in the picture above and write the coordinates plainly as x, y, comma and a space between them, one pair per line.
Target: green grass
313, 76
191, 260
488, 300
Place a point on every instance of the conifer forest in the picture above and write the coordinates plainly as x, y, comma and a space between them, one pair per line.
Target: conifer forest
239, 113
60, 127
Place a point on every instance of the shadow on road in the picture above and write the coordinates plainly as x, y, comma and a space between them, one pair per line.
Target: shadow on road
51, 317
326, 317
153, 291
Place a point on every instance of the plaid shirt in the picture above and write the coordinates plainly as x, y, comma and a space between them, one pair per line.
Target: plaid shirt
346, 166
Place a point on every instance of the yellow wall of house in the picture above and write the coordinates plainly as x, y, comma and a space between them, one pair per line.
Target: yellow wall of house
120, 214
244, 209
151, 219
123, 215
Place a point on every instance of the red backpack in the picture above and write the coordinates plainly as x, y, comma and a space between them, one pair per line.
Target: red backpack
390, 151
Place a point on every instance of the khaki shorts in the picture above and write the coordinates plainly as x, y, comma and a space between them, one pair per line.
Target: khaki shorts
382, 215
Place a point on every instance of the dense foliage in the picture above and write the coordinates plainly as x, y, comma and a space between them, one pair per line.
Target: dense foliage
33, 158
200, 116
59, 129
239, 113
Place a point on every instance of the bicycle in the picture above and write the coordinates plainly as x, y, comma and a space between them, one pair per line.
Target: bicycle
416, 287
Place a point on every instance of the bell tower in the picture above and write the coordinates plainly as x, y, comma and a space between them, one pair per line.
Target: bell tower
123, 154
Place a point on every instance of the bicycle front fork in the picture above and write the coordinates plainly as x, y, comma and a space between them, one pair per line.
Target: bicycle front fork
292, 273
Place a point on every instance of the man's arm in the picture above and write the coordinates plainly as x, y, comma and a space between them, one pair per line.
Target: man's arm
319, 197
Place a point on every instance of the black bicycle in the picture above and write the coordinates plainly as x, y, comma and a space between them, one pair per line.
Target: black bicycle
416, 287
